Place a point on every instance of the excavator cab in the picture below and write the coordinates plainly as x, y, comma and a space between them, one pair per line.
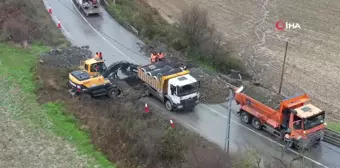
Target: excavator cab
90, 80
94, 66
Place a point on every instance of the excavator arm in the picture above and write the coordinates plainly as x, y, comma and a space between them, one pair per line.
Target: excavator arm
127, 68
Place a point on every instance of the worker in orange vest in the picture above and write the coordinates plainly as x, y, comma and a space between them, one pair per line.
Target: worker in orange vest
97, 55
154, 57
160, 56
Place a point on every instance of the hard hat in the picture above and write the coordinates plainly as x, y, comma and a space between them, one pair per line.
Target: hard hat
287, 136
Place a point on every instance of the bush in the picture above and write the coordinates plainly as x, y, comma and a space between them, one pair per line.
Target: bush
193, 34
27, 21
202, 40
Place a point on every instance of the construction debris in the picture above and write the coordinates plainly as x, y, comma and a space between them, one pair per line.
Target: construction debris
65, 57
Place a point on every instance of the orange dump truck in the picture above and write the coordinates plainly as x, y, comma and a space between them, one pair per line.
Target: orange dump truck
297, 120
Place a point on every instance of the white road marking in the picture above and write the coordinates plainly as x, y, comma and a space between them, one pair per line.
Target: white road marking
212, 110
102, 35
55, 19
241, 125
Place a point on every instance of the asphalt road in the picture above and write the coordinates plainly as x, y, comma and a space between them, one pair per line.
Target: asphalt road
102, 33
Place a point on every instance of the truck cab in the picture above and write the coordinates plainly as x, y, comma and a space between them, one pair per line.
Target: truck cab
182, 92
306, 124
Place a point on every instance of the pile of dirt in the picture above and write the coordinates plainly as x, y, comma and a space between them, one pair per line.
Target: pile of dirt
66, 57
120, 129
212, 88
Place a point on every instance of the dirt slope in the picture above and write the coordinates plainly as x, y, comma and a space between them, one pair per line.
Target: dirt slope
249, 31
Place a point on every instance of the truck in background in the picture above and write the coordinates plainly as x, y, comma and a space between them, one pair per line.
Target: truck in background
88, 6
297, 121
175, 87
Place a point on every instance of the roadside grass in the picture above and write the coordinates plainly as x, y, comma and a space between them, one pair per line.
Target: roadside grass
334, 126
17, 67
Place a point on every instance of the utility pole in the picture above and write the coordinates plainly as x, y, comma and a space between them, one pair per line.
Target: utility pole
283, 67
227, 137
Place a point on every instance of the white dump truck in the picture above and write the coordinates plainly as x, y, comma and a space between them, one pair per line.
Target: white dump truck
175, 87
88, 6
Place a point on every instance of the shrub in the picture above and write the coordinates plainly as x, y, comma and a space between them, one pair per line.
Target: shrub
194, 34
202, 40
27, 21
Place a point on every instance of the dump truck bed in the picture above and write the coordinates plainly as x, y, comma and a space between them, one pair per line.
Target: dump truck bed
265, 96
92, 10
154, 83
256, 108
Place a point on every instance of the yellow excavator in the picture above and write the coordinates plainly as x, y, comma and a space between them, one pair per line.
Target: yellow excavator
92, 79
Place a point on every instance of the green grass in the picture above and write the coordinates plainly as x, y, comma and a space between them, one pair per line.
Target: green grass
334, 126
17, 68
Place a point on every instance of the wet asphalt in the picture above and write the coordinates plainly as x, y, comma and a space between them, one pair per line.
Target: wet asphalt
102, 33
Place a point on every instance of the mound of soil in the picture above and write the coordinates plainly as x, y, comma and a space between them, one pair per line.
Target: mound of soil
119, 128
66, 57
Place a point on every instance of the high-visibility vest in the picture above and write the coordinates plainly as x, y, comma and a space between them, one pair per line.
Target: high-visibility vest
153, 58
160, 56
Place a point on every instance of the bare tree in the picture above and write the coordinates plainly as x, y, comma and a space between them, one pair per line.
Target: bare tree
194, 25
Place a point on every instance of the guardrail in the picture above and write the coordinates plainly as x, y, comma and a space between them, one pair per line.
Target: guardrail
332, 137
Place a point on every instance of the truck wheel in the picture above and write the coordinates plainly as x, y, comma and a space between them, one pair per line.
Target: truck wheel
289, 143
113, 92
147, 91
168, 105
245, 117
296, 145
256, 123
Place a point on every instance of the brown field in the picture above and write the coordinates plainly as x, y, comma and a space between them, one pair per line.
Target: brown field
248, 28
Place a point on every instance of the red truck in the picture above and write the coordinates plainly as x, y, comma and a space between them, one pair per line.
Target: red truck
297, 120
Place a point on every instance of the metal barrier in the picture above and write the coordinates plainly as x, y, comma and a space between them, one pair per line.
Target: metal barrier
332, 137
